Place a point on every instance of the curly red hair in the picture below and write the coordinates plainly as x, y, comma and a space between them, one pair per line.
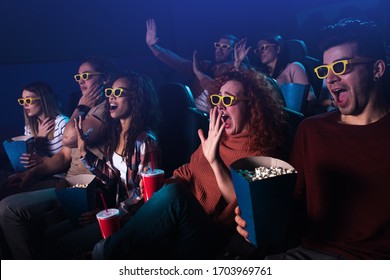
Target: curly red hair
267, 124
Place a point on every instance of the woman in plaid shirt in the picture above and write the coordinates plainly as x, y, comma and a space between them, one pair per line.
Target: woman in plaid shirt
132, 115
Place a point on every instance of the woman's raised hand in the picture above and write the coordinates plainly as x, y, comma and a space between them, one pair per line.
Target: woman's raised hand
211, 144
45, 127
92, 97
240, 52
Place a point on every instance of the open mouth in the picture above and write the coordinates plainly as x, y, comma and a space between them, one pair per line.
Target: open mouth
113, 107
226, 120
340, 94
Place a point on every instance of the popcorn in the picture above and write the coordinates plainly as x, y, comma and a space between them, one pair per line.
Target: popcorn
264, 172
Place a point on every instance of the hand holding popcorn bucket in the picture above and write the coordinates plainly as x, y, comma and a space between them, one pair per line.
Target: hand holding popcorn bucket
264, 188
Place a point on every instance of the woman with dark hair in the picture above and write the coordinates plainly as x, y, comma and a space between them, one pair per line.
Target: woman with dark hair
192, 216
132, 117
43, 120
94, 72
270, 50
276, 63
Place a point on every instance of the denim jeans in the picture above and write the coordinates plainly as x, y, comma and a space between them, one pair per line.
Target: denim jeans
23, 221
171, 225
64, 241
5, 190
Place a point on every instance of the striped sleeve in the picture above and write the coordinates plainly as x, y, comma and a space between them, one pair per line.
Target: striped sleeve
50, 147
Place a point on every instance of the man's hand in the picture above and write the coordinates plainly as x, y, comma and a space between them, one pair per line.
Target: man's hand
240, 53
195, 66
241, 224
151, 32
19, 180
30, 160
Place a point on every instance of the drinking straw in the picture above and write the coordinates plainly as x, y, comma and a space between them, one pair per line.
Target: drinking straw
152, 162
104, 202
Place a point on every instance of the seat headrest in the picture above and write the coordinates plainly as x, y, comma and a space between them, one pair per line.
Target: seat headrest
296, 49
175, 96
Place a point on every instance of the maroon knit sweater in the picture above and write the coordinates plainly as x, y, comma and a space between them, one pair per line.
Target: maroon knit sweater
344, 181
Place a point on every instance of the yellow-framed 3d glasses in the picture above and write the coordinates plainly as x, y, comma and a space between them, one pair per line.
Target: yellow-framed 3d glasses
117, 92
338, 67
27, 100
227, 100
85, 76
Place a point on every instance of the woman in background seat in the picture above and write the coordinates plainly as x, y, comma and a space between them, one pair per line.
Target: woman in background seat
271, 52
43, 120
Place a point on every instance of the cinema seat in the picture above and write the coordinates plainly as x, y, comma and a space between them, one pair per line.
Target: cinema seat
178, 134
297, 51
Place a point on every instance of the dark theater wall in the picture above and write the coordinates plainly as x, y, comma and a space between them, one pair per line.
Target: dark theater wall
45, 40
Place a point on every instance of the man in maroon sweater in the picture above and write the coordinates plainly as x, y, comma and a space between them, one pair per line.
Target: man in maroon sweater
342, 157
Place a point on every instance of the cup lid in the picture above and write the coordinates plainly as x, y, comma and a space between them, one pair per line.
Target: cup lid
152, 173
107, 214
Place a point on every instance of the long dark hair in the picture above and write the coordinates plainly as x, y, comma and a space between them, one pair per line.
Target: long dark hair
144, 114
283, 57
50, 104
104, 65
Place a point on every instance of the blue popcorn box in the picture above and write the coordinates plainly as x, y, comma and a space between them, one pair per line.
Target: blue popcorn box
265, 204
